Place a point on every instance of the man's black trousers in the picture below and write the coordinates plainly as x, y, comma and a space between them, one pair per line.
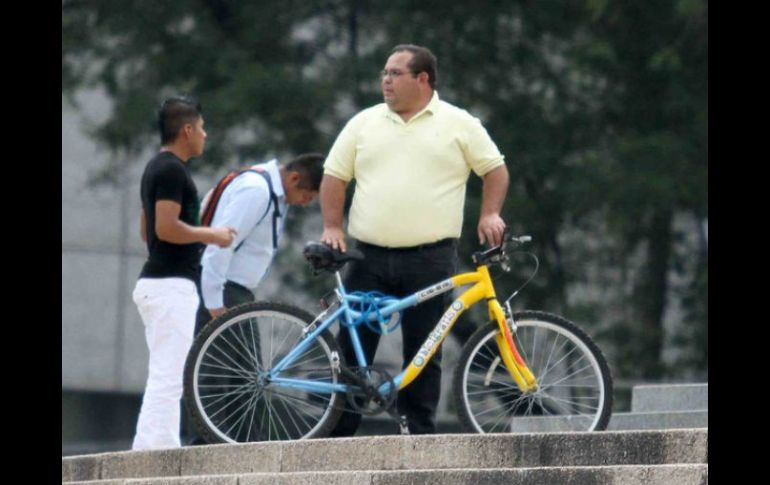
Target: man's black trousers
401, 272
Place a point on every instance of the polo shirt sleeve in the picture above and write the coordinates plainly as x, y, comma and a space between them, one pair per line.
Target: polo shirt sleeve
340, 161
481, 153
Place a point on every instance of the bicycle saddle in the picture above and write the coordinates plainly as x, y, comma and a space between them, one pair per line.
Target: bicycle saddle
323, 258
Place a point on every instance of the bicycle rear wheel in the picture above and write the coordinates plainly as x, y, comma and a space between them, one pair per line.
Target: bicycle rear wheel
225, 387
574, 381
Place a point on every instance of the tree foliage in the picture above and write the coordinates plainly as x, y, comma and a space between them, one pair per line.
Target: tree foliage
601, 109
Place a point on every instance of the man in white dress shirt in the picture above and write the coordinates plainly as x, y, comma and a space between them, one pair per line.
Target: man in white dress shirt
255, 205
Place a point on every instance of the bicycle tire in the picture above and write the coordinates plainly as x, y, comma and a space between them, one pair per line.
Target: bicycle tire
222, 385
574, 380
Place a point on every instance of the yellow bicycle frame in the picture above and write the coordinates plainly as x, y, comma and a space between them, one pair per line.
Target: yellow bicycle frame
482, 289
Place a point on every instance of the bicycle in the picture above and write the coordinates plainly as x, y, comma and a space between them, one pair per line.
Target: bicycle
271, 371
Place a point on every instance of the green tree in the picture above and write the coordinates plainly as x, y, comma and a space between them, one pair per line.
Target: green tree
601, 109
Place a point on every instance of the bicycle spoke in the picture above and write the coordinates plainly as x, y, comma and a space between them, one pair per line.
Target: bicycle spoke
574, 404
223, 365
255, 343
299, 361
239, 391
568, 376
242, 419
574, 349
547, 367
238, 366
503, 414
240, 349
275, 417
244, 342
305, 402
290, 411
211, 416
251, 419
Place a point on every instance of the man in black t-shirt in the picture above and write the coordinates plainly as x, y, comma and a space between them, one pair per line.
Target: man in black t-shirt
165, 293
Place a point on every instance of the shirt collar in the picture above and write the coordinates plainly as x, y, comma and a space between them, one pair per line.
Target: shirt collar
271, 168
431, 108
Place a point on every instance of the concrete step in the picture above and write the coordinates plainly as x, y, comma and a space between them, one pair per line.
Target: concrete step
670, 397
660, 420
625, 475
463, 451
385, 426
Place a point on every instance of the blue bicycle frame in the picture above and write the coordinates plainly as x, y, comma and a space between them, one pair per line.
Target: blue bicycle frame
346, 315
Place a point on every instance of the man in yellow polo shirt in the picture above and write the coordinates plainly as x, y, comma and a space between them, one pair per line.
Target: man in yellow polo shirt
411, 157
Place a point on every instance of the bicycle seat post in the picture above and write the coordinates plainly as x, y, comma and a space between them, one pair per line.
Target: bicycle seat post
339, 281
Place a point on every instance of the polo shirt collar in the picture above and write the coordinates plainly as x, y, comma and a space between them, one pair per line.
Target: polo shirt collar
431, 108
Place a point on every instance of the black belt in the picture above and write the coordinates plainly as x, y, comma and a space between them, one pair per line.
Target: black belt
237, 286
450, 241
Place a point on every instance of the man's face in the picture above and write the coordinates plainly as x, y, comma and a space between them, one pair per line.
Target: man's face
296, 195
197, 137
400, 87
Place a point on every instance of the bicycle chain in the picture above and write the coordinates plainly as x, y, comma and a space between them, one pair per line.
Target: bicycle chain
371, 393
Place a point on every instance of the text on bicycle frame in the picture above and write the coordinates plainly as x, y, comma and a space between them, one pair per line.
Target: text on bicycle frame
438, 334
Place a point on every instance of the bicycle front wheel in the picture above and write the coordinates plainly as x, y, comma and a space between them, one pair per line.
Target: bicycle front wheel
574, 382
226, 389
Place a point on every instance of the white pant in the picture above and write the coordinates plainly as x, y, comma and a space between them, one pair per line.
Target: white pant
167, 307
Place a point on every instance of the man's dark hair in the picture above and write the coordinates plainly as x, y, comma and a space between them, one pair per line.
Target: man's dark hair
422, 60
174, 113
311, 169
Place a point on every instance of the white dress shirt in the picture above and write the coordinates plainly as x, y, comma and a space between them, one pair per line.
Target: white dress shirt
242, 206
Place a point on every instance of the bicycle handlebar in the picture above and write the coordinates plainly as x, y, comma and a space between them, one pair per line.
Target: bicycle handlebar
498, 254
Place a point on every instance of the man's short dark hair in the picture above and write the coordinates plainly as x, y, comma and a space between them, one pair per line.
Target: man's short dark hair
422, 60
174, 113
311, 169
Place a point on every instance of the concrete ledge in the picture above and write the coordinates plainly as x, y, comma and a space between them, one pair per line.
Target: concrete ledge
80, 468
498, 450
230, 459
670, 397
471, 451
625, 475
661, 420
138, 464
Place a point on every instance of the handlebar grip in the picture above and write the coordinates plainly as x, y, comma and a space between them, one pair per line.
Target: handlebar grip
520, 239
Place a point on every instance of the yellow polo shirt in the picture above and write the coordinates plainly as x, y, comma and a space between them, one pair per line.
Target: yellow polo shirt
410, 177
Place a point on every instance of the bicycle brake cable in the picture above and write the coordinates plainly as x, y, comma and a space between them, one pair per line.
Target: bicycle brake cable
537, 266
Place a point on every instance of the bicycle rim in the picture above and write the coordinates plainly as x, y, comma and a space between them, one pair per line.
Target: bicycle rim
572, 383
235, 402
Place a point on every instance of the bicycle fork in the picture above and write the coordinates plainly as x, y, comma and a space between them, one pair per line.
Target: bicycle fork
513, 361
515, 364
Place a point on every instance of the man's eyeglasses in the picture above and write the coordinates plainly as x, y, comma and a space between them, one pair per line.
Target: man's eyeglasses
393, 73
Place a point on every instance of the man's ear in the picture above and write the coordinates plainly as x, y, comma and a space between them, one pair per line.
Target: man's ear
294, 178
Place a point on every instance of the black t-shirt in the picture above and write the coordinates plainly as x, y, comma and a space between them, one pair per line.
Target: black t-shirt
166, 178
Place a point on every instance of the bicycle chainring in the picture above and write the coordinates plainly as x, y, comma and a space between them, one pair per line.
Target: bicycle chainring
363, 394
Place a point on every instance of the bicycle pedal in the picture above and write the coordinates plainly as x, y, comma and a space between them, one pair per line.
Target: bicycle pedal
335, 362
403, 426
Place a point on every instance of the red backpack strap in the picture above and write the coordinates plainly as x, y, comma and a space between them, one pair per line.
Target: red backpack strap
211, 206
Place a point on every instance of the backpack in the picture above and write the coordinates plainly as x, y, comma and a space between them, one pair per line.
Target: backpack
211, 200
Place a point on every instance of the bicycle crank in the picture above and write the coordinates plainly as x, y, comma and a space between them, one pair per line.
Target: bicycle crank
364, 395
